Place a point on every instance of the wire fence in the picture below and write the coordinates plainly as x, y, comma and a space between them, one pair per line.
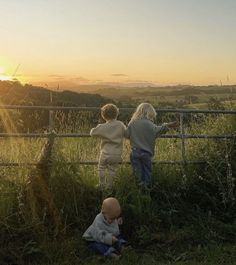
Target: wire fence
52, 135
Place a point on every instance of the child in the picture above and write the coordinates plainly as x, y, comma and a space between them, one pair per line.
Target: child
142, 133
104, 233
112, 133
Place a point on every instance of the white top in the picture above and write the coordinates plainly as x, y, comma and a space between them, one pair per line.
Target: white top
112, 133
101, 231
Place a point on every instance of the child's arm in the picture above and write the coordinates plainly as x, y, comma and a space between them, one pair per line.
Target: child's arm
114, 240
120, 221
161, 129
127, 132
96, 131
166, 127
101, 235
172, 125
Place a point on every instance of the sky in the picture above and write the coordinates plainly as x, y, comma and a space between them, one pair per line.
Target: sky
76, 42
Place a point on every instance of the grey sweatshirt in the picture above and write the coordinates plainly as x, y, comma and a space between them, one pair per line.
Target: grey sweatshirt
101, 231
143, 133
112, 134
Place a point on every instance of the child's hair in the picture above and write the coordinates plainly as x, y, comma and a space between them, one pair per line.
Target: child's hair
109, 112
144, 111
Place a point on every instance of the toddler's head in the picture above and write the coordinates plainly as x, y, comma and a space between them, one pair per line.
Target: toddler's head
111, 209
109, 112
144, 111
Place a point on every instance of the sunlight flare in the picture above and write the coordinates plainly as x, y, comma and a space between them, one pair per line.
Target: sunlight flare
5, 77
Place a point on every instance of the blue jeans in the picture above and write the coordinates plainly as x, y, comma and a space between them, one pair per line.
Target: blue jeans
142, 165
101, 248
107, 250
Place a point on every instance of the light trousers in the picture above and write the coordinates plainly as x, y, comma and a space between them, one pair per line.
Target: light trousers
107, 167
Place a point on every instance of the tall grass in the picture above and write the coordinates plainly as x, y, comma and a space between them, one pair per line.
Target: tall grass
188, 205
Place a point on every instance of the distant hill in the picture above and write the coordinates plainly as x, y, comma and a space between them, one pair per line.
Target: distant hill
14, 93
96, 95
117, 92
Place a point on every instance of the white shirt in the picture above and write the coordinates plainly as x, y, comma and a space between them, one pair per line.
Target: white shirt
112, 133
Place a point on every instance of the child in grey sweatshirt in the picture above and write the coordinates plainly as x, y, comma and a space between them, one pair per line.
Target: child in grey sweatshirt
142, 133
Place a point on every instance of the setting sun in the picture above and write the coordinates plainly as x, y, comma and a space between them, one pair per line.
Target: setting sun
96, 42
5, 77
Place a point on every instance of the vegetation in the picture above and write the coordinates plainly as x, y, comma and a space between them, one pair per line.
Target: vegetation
14, 93
169, 96
188, 217
97, 95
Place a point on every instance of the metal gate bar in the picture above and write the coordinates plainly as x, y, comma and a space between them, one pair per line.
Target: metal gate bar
182, 136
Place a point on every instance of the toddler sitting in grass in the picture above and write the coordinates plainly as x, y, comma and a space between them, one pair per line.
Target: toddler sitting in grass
104, 234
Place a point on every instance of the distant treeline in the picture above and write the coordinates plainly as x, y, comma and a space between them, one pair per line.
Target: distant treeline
14, 93
126, 94
191, 90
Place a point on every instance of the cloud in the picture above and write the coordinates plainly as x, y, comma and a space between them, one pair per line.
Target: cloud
136, 81
57, 76
119, 75
69, 78
79, 79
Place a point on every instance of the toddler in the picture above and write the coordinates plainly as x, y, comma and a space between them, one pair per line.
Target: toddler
111, 133
104, 234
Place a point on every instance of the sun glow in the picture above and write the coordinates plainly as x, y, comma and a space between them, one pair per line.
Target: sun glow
5, 78
3, 75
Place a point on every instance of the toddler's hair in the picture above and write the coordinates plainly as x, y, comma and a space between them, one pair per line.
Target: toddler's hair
144, 111
109, 111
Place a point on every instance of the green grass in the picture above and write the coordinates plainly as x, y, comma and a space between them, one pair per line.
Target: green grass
207, 255
229, 104
187, 218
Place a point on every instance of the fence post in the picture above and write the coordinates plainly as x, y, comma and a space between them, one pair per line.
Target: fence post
51, 122
183, 153
46, 153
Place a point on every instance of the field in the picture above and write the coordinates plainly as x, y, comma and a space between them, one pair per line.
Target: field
188, 217
181, 96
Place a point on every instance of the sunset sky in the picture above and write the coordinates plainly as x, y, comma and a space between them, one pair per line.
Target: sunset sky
130, 41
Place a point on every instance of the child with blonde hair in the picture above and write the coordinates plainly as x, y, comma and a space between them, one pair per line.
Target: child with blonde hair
142, 133
111, 133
